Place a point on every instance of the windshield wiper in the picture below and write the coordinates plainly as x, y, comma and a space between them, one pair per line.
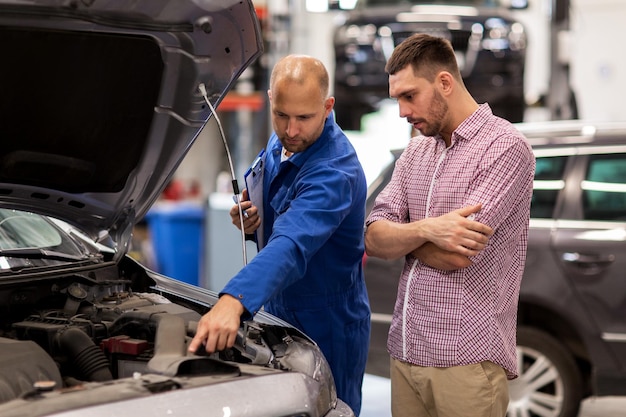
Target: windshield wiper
38, 253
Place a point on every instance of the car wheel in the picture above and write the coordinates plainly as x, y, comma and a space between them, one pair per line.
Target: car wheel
549, 384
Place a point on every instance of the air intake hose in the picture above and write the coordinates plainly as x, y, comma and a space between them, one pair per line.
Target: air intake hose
87, 358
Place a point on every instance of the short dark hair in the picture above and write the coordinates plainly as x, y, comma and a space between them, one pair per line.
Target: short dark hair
428, 55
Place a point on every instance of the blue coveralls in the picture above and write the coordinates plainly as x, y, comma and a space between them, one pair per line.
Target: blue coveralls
310, 271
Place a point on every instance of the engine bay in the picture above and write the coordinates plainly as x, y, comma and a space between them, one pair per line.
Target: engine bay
108, 324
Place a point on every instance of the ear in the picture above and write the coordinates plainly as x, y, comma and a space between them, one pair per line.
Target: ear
328, 105
269, 94
445, 82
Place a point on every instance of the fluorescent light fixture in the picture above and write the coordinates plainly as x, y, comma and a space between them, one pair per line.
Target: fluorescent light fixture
607, 187
548, 185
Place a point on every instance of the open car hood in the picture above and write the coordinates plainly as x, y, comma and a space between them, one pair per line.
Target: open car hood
100, 100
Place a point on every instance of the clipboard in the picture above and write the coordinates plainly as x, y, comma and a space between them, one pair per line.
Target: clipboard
254, 184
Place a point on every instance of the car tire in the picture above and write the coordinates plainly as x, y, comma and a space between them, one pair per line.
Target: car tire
549, 383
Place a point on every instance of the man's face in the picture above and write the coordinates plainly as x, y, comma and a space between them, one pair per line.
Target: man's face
298, 113
419, 101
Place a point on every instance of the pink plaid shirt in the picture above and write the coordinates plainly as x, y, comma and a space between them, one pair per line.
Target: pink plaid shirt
451, 318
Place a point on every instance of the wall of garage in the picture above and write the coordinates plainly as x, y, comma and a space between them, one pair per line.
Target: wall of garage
598, 60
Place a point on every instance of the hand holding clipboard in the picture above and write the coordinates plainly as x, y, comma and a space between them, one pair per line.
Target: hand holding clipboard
254, 184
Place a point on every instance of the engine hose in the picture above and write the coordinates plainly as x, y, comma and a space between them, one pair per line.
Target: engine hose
86, 356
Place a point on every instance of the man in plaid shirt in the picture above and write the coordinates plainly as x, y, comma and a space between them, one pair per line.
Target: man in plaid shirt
457, 208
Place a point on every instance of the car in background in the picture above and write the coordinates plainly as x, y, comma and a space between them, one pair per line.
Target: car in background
572, 321
489, 43
100, 102
571, 335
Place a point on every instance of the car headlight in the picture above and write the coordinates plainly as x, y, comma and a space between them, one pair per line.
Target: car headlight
305, 357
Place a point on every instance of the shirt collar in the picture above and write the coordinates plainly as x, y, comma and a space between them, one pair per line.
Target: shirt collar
283, 155
470, 126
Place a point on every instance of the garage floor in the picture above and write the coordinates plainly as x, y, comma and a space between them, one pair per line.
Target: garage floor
376, 397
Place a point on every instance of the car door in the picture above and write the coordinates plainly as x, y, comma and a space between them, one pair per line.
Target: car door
589, 245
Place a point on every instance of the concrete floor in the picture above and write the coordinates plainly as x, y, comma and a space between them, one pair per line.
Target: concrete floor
376, 397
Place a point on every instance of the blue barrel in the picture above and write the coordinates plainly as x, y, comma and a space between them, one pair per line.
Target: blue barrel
176, 232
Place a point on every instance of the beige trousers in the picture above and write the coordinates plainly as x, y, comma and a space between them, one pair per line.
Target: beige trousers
476, 390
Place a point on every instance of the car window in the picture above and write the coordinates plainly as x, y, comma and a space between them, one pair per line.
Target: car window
604, 187
19, 230
548, 182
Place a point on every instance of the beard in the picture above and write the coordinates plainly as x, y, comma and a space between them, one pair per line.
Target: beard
302, 141
433, 123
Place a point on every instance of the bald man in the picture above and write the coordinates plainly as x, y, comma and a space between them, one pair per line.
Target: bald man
309, 272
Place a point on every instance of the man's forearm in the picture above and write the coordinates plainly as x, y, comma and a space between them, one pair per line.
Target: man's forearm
435, 257
388, 240
455, 236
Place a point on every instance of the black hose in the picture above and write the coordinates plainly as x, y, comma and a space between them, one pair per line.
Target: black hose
88, 359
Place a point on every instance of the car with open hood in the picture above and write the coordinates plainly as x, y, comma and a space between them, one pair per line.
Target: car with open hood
101, 100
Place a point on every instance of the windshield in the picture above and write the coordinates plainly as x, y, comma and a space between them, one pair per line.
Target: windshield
19, 229
27, 235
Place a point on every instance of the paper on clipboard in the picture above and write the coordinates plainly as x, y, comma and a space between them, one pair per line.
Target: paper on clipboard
254, 184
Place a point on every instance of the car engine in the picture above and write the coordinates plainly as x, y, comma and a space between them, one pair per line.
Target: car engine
60, 332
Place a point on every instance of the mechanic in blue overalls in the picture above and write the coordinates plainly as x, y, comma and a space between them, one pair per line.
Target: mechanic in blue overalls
309, 268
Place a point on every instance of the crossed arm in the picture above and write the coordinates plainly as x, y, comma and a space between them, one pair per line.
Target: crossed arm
445, 242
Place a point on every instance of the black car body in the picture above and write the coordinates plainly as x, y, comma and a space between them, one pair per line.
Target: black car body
101, 100
490, 47
572, 308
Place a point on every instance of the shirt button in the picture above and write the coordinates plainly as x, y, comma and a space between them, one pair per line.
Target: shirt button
240, 296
